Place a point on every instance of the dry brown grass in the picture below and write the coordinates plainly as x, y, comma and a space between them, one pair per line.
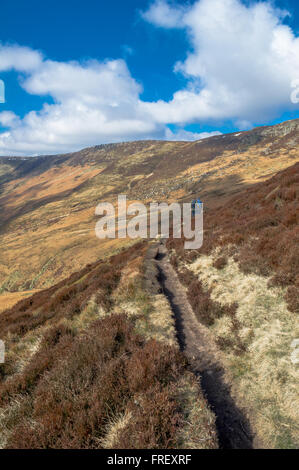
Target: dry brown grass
9, 299
52, 181
199, 431
250, 259
114, 430
93, 379
263, 223
47, 209
80, 376
263, 378
47, 231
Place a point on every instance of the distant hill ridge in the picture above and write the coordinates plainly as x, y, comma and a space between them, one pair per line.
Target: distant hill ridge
47, 203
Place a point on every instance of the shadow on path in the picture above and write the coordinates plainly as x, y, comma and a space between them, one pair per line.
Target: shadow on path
232, 425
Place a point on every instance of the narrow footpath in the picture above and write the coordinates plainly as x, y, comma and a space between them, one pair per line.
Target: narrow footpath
201, 351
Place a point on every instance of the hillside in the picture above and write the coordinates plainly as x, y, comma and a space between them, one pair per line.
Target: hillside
243, 286
93, 362
47, 203
115, 332
91, 358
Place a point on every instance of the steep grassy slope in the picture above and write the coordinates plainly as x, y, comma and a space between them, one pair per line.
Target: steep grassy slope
244, 285
47, 203
93, 362
91, 357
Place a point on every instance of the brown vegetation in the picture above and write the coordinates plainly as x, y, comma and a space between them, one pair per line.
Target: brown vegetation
262, 222
91, 379
68, 297
220, 262
243, 284
47, 203
98, 383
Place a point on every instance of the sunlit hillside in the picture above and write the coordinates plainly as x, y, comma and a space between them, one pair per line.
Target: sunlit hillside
48, 203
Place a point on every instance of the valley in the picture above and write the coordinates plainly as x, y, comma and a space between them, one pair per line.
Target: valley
102, 334
47, 204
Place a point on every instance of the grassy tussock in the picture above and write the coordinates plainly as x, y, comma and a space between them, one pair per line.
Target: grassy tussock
114, 430
153, 312
199, 430
264, 377
161, 321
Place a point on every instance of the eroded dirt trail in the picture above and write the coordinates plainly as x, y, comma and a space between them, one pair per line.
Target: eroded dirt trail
197, 344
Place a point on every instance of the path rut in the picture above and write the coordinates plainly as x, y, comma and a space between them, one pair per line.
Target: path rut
202, 353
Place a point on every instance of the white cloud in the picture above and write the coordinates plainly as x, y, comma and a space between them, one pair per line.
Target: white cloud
8, 118
22, 59
93, 103
182, 134
162, 14
240, 65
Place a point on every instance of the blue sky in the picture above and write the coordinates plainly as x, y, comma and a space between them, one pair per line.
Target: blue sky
83, 73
